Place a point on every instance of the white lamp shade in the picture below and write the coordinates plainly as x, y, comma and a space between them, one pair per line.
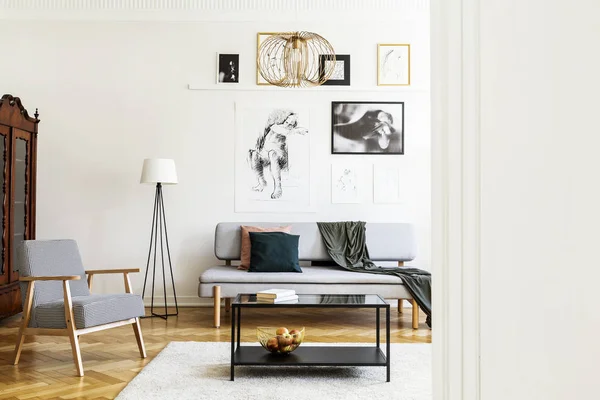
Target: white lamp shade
159, 170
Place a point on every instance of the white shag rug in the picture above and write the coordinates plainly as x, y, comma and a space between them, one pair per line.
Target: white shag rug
200, 370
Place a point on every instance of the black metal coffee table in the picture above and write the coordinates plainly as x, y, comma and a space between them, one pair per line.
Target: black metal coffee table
306, 355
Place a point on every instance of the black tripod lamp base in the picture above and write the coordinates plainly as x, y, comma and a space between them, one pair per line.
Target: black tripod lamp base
159, 241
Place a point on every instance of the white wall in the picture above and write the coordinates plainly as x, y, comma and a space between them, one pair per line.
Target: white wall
113, 93
540, 200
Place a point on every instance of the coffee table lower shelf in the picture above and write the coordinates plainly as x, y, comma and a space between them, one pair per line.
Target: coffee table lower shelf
335, 356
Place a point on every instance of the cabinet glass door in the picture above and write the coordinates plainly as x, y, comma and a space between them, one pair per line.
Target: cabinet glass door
21, 161
4, 177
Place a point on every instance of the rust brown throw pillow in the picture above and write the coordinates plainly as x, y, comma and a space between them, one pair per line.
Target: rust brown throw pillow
246, 246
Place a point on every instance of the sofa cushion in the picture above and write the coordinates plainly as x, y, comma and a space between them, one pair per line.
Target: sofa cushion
246, 247
88, 311
328, 275
385, 241
274, 252
388, 291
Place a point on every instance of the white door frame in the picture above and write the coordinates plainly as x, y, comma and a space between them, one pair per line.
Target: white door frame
455, 165
455, 199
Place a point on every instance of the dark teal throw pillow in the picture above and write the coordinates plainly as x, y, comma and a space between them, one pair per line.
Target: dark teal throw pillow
274, 252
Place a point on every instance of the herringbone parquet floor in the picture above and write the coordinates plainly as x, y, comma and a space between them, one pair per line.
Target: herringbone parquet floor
111, 358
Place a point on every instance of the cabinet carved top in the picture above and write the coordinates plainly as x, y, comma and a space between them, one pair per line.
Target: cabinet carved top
12, 113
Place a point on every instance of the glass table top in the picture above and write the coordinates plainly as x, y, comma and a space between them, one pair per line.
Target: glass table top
324, 300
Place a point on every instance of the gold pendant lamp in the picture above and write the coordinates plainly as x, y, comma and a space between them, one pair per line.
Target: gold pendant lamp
296, 59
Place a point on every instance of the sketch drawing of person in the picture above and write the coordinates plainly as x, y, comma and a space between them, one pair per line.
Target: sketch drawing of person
393, 68
271, 151
346, 182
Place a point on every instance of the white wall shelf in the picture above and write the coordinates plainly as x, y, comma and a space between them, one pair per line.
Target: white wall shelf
262, 88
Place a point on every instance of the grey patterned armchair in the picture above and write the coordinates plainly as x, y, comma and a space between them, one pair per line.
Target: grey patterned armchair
57, 299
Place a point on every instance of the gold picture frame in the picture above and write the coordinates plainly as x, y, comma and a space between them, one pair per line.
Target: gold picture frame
393, 64
260, 37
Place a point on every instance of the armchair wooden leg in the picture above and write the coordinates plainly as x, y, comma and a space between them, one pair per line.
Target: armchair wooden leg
217, 306
227, 304
400, 306
18, 346
415, 314
24, 323
137, 329
70, 320
76, 352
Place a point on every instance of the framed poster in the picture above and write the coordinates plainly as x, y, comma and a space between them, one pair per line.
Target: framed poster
346, 183
393, 64
367, 127
273, 60
341, 69
386, 184
272, 158
228, 68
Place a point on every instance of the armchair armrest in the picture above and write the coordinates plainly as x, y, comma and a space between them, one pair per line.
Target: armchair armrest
111, 271
124, 271
50, 278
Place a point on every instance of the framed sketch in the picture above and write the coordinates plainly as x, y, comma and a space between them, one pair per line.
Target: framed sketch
386, 184
228, 68
367, 127
346, 184
273, 62
341, 69
393, 64
272, 158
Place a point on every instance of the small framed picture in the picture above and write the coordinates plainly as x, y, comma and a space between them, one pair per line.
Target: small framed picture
367, 127
228, 68
393, 64
273, 59
341, 69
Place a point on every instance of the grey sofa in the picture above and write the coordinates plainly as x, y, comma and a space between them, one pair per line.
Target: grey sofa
385, 241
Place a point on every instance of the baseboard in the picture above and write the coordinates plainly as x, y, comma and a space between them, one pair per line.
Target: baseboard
182, 301
195, 301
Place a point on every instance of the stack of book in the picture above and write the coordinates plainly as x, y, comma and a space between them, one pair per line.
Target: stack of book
277, 296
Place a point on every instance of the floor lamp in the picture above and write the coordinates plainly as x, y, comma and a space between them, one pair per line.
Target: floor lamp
160, 171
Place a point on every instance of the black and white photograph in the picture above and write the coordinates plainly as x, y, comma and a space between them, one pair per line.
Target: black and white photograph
341, 69
228, 66
272, 170
367, 127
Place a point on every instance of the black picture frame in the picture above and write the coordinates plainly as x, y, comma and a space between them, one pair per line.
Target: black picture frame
361, 127
228, 68
345, 58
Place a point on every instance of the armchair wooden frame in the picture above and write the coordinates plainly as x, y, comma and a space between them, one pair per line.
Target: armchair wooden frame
71, 331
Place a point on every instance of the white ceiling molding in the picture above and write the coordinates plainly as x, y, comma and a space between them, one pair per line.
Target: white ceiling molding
212, 10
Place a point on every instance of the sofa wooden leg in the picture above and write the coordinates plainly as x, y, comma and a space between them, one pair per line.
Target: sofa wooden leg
415, 314
400, 306
227, 304
217, 305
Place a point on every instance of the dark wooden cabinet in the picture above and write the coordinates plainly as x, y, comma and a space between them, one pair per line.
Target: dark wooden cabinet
18, 151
